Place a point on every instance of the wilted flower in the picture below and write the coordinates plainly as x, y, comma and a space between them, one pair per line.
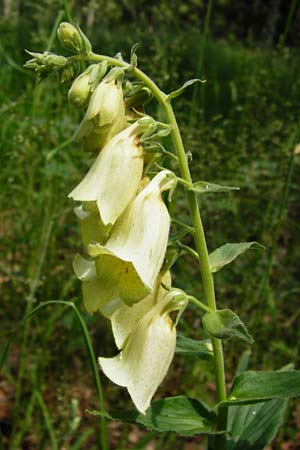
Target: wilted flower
128, 264
148, 342
113, 179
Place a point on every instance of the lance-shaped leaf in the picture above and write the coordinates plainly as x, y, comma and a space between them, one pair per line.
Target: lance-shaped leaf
228, 252
225, 324
183, 88
113, 179
133, 255
203, 187
250, 387
148, 350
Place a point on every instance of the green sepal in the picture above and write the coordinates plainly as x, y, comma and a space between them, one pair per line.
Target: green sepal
225, 324
203, 187
190, 347
183, 88
87, 44
253, 387
182, 415
229, 252
133, 56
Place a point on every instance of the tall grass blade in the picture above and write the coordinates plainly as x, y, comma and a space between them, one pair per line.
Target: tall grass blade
91, 355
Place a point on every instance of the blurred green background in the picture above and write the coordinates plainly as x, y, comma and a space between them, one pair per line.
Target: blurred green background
241, 127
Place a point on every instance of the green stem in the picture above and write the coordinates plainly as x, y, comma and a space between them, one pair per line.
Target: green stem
197, 302
199, 236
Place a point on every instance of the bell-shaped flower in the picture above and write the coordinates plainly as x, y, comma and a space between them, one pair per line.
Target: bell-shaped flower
148, 343
124, 318
105, 115
113, 179
131, 259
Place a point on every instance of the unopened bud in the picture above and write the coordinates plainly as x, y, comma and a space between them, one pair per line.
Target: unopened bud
55, 61
83, 85
70, 37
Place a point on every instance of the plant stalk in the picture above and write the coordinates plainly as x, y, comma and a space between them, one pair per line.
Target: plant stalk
199, 236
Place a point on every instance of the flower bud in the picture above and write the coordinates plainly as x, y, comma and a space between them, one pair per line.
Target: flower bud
45, 63
129, 262
55, 61
113, 179
70, 37
105, 116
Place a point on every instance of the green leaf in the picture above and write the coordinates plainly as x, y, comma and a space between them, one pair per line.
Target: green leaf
182, 415
251, 387
254, 426
224, 324
190, 347
183, 88
203, 187
228, 252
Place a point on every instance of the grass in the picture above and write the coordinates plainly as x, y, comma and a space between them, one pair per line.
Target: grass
243, 131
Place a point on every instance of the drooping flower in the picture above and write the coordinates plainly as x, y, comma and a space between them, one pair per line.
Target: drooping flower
128, 264
148, 342
113, 179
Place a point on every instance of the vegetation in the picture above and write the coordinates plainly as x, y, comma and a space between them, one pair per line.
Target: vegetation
241, 127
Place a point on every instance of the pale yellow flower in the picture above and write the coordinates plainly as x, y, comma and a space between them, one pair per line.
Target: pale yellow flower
128, 264
148, 340
113, 179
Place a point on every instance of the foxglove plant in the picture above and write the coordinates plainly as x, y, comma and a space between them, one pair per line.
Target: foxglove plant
125, 265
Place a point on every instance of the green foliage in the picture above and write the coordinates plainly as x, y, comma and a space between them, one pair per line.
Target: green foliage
191, 347
251, 387
252, 427
227, 253
242, 134
183, 415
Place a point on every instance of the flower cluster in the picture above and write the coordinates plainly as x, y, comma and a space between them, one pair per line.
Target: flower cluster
124, 227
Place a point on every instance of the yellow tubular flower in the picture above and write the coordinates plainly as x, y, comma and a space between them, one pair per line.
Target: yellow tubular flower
133, 255
113, 179
148, 347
